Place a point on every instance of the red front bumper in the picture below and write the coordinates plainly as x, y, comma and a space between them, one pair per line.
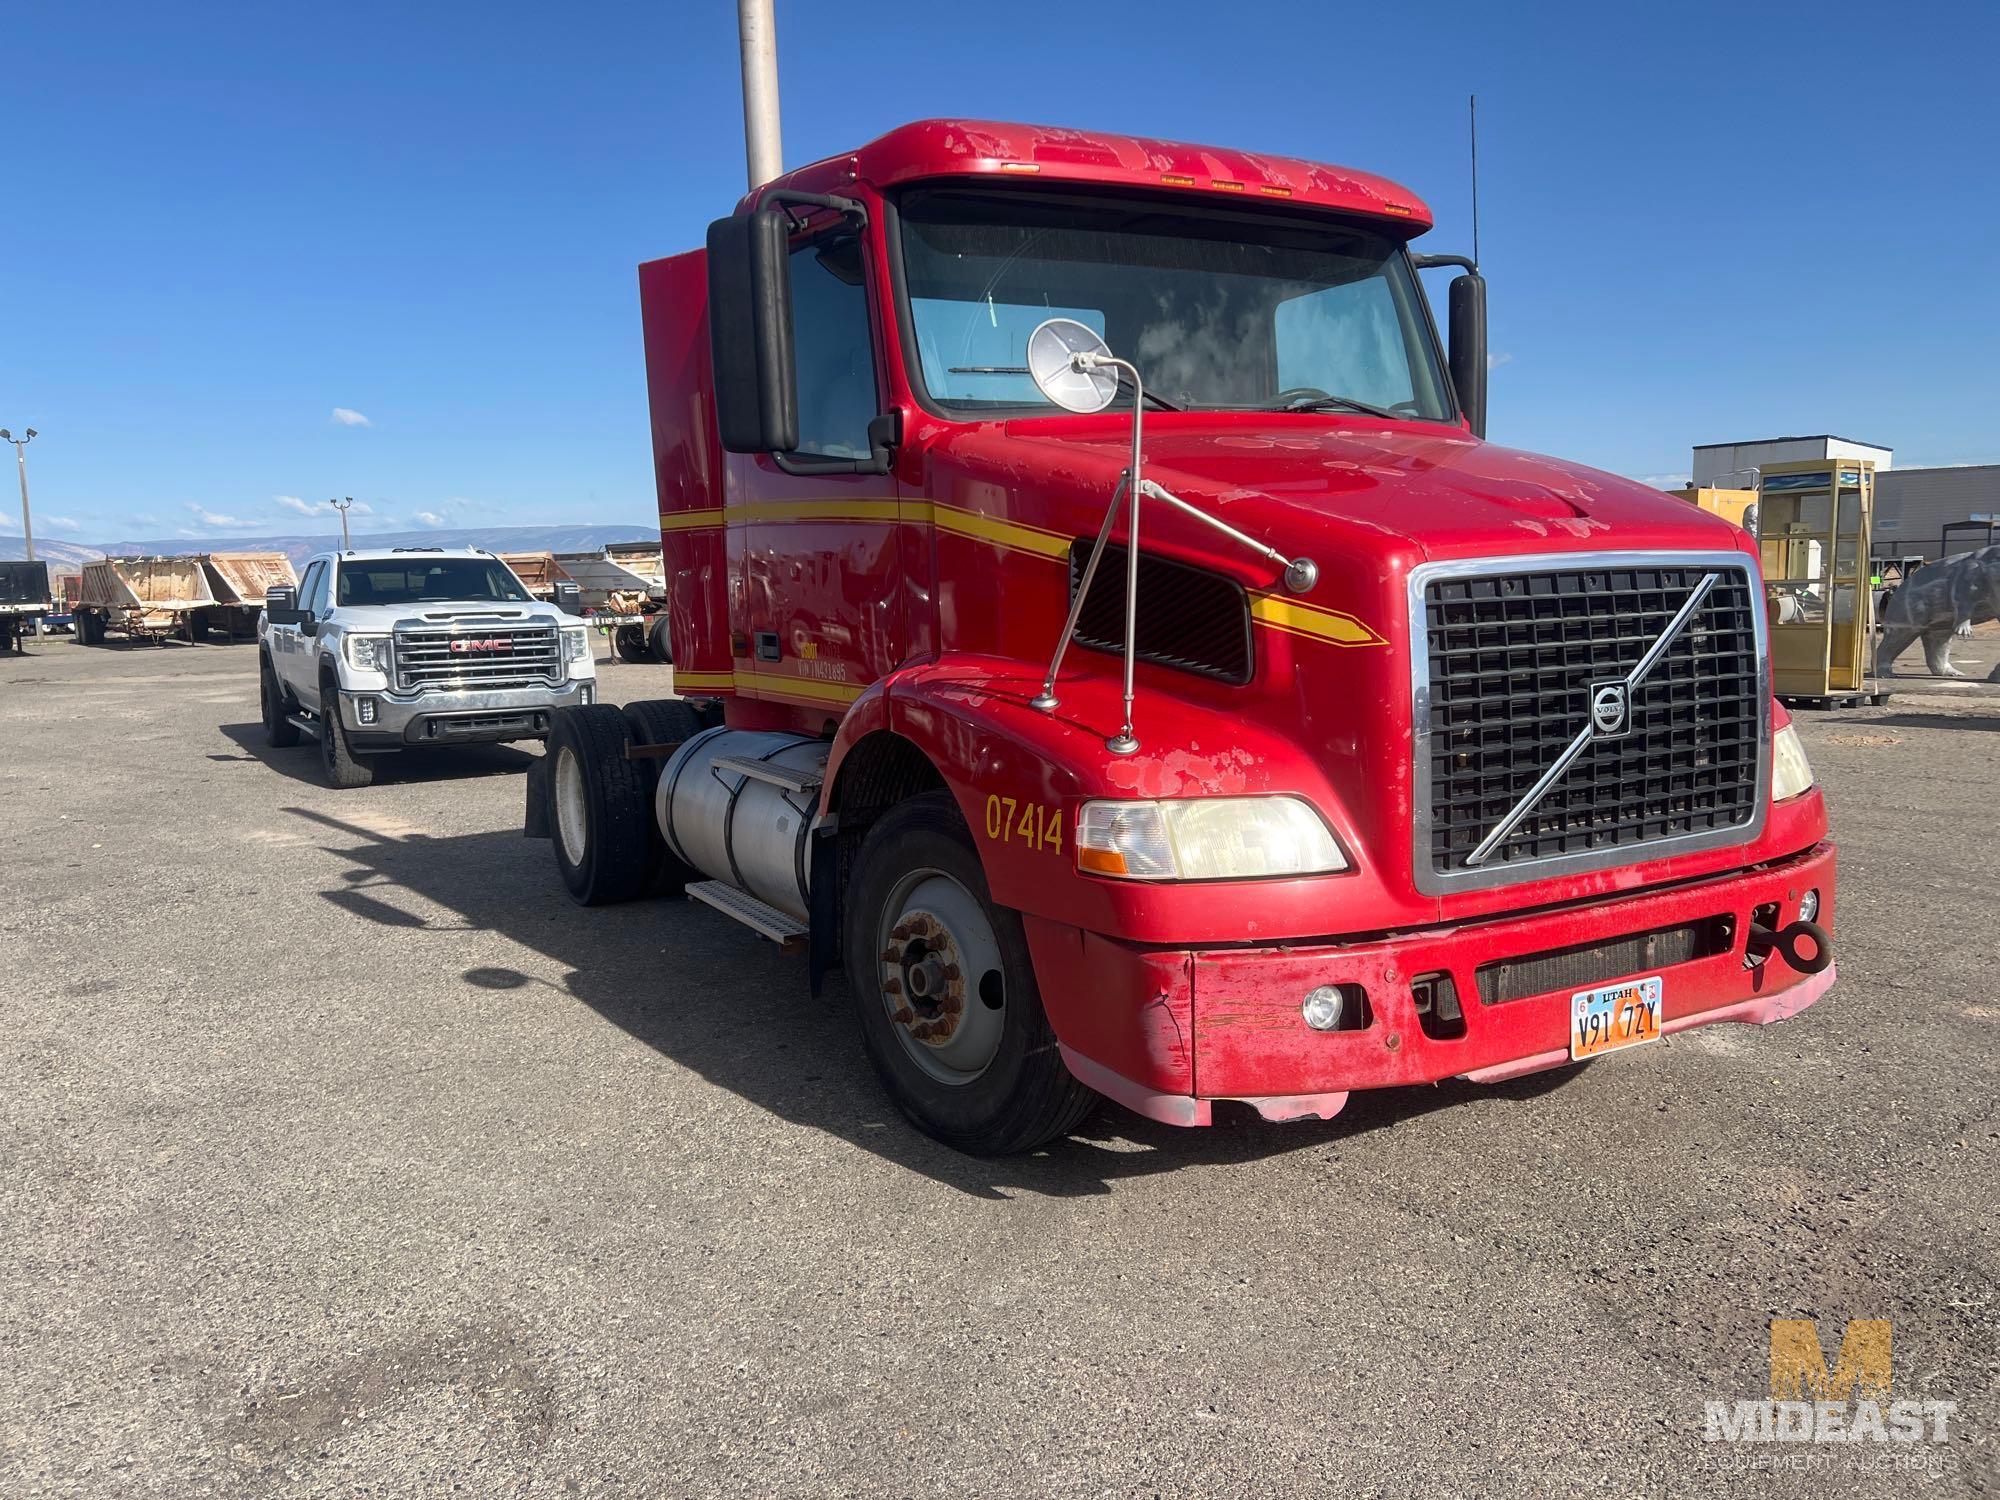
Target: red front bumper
1166, 1031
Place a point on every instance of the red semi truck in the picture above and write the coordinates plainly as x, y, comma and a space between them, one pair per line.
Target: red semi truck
1374, 754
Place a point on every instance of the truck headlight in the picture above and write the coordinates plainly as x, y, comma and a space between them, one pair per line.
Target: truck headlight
1791, 772
576, 643
368, 653
1215, 838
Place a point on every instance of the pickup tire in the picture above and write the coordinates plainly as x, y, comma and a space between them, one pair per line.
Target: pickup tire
661, 639
280, 733
344, 769
599, 816
945, 992
629, 641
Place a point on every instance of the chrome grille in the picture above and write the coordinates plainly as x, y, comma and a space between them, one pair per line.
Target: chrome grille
426, 658
1508, 657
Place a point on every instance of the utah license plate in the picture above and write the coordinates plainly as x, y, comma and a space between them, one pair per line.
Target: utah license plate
1619, 1015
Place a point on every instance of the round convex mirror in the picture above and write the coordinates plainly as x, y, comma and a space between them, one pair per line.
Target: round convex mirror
1051, 351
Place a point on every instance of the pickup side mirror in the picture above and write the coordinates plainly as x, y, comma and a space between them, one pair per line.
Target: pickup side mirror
750, 333
568, 597
1468, 347
281, 606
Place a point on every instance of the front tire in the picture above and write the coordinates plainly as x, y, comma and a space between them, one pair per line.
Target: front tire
945, 992
280, 733
344, 769
598, 812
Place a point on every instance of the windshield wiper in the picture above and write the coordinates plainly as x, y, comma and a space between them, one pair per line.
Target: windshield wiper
1321, 401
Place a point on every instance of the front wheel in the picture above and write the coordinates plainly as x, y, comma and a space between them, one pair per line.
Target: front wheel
598, 808
945, 993
344, 769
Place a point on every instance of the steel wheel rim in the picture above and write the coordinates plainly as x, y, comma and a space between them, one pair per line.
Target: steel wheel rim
571, 819
942, 980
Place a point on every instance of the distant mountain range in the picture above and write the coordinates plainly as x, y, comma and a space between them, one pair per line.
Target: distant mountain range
72, 555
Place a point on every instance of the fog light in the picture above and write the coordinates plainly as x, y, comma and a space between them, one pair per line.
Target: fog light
1809, 906
1323, 1008
365, 709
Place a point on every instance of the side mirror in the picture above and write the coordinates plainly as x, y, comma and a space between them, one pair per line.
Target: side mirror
281, 606
568, 597
1468, 347
750, 333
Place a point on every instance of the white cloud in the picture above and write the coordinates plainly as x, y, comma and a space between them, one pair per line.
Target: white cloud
1495, 361
361, 508
303, 507
427, 518
61, 523
1665, 481
213, 518
347, 416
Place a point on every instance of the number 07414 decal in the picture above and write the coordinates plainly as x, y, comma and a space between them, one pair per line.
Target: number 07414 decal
1013, 820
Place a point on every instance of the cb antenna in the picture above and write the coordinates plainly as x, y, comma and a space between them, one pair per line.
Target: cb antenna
1472, 126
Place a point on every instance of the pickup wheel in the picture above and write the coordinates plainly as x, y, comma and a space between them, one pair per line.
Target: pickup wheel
344, 769
280, 733
630, 643
945, 992
598, 809
661, 639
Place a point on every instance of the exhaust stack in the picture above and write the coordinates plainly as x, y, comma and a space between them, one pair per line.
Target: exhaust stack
757, 30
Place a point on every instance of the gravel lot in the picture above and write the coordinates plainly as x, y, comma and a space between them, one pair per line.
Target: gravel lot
343, 1155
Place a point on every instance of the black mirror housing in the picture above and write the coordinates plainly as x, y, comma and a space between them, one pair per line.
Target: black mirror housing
568, 597
281, 605
750, 332
1467, 314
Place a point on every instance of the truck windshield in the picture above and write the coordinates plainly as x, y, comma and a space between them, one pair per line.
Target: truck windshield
1221, 310
418, 580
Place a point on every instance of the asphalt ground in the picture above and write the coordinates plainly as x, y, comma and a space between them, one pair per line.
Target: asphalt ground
343, 1155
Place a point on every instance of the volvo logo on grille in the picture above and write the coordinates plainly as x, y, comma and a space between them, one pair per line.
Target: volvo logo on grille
466, 646
1610, 709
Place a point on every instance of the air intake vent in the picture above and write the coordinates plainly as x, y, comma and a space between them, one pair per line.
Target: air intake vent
1188, 619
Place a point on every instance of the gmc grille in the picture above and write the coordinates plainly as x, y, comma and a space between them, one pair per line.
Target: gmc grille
1189, 619
1508, 664
489, 657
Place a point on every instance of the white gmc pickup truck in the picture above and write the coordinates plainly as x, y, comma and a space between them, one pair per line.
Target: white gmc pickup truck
378, 650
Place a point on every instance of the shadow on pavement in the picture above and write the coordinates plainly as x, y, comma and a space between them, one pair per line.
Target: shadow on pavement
754, 1030
1938, 721
301, 761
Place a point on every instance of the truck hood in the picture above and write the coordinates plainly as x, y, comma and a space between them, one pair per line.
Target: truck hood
368, 618
1416, 490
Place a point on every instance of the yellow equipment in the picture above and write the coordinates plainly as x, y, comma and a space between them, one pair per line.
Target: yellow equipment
1734, 506
1813, 519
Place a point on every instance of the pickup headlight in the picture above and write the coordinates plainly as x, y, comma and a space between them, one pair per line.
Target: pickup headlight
368, 653
576, 643
1216, 838
1791, 772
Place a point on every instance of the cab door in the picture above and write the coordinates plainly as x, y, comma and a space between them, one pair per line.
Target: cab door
292, 652
824, 611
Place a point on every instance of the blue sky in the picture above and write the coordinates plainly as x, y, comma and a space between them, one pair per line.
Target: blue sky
226, 225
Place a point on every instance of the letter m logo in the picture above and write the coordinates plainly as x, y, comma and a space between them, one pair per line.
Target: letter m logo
1798, 1363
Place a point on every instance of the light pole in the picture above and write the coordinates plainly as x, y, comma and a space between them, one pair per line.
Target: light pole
343, 506
21, 456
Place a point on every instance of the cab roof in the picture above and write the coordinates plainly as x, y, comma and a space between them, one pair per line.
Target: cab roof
931, 149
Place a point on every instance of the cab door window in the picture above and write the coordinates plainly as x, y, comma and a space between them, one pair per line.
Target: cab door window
832, 351
316, 589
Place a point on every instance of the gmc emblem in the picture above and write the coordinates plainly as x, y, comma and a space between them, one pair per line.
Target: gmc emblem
467, 646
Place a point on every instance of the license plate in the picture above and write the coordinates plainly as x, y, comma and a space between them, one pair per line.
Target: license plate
1620, 1015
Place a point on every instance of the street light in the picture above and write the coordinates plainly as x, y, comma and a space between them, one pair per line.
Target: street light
21, 456
343, 506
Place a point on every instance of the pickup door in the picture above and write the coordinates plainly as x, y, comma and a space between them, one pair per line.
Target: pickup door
294, 652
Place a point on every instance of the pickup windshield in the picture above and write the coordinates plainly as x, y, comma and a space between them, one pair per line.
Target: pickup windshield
436, 580
1225, 310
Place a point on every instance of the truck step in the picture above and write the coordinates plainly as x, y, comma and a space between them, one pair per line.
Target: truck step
790, 778
782, 928
304, 723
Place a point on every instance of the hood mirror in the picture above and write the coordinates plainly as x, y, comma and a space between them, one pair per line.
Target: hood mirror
1070, 363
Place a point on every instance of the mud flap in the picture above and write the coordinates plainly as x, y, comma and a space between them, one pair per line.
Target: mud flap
535, 825
823, 905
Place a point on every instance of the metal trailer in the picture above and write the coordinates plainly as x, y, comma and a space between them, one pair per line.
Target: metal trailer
24, 601
624, 590
146, 598
539, 572
240, 581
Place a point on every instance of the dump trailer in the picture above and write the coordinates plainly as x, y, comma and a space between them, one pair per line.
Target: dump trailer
539, 572
25, 601
624, 591
1128, 663
143, 598
240, 582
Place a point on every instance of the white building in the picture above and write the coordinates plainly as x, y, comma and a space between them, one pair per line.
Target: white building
1734, 466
